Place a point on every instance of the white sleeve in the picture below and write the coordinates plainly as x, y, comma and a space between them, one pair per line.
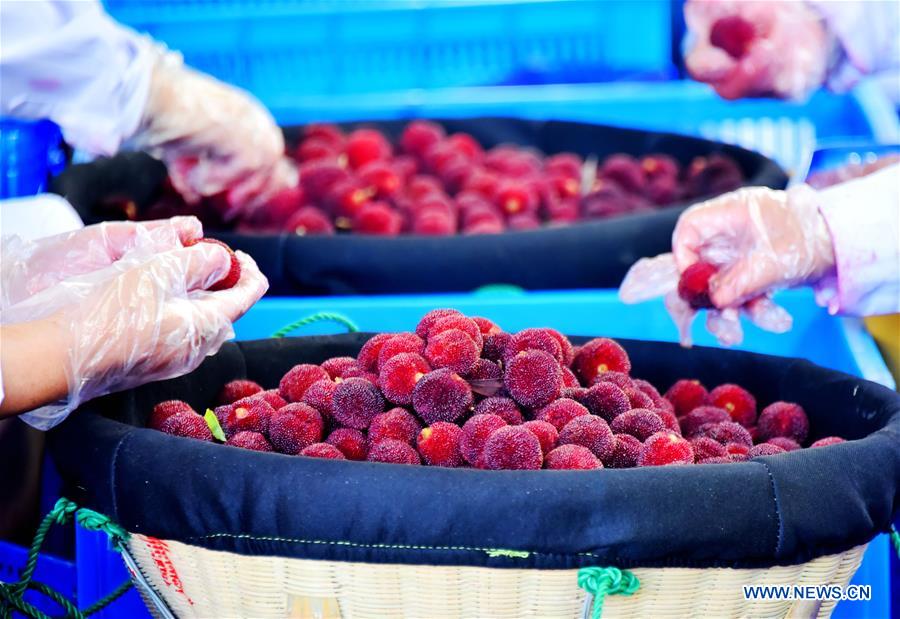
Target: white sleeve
70, 62
869, 37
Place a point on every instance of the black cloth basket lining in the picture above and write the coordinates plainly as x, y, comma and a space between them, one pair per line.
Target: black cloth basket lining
593, 254
784, 509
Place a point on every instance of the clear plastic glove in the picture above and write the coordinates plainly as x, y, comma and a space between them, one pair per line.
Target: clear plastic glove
213, 137
760, 239
143, 317
775, 48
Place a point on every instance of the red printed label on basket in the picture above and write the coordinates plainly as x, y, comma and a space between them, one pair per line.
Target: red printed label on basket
159, 552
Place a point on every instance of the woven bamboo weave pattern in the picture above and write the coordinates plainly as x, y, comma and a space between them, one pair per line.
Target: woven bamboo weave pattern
197, 582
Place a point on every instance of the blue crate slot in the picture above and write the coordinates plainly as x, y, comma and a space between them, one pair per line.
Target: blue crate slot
60, 574
100, 571
283, 47
29, 153
841, 344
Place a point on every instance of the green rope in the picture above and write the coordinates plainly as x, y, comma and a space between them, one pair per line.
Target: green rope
603, 581
895, 538
317, 317
12, 594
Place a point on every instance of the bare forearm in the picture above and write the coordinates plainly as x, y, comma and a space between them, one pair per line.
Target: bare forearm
32, 358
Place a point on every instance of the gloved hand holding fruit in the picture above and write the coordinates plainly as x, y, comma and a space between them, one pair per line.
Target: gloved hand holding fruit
730, 253
113, 306
757, 48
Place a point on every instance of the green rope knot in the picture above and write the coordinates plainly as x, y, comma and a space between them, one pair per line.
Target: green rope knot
62, 511
603, 581
12, 595
93, 521
317, 317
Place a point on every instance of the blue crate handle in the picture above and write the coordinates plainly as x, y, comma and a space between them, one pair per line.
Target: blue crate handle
317, 317
12, 594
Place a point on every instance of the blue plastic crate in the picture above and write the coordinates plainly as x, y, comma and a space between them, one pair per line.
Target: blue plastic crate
785, 131
841, 344
279, 47
29, 153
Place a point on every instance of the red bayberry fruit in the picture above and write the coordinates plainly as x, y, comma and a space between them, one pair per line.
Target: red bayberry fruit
397, 344
249, 440
310, 150
534, 339
495, 345
713, 175
345, 199
248, 414
725, 432
397, 423
589, 431
441, 395
370, 353
272, 397
399, 375
732, 33
336, 366
452, 349
439, 444
686, 395
828, 440
705, 447
187, 425
787, 444
567, 164
700, 416
505, 408
295, 427
377, 218
462, 323
234, 269
693, 285
625, 171
237, 389
658, 166
639, 422
487, 327
783, 419
309, 221
665, 448
429, 319
356, 402
600, 355
325, 132
382, 178
560, 412
765, 449
317, 178
619, 379
637, 398
737, 401
352, 443
475, 433
419, 136
546, 433
572, 457
533, 378
485, 370
433, 223
391, 451
512, 448
737, 452
322, 450
466, 145
364, 146
606, 400
320, 396
164, 410
298, 379
625, 454
514, 198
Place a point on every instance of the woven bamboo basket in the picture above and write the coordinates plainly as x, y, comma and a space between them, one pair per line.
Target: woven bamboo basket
198, 582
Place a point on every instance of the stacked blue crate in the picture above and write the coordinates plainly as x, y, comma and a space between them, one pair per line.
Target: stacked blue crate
285, 47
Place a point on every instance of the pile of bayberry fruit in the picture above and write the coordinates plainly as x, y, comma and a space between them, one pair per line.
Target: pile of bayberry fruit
460, 392
430, 183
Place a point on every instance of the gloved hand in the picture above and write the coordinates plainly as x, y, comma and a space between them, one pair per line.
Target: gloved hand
143, 317
213, 137
761, 239
774, 47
